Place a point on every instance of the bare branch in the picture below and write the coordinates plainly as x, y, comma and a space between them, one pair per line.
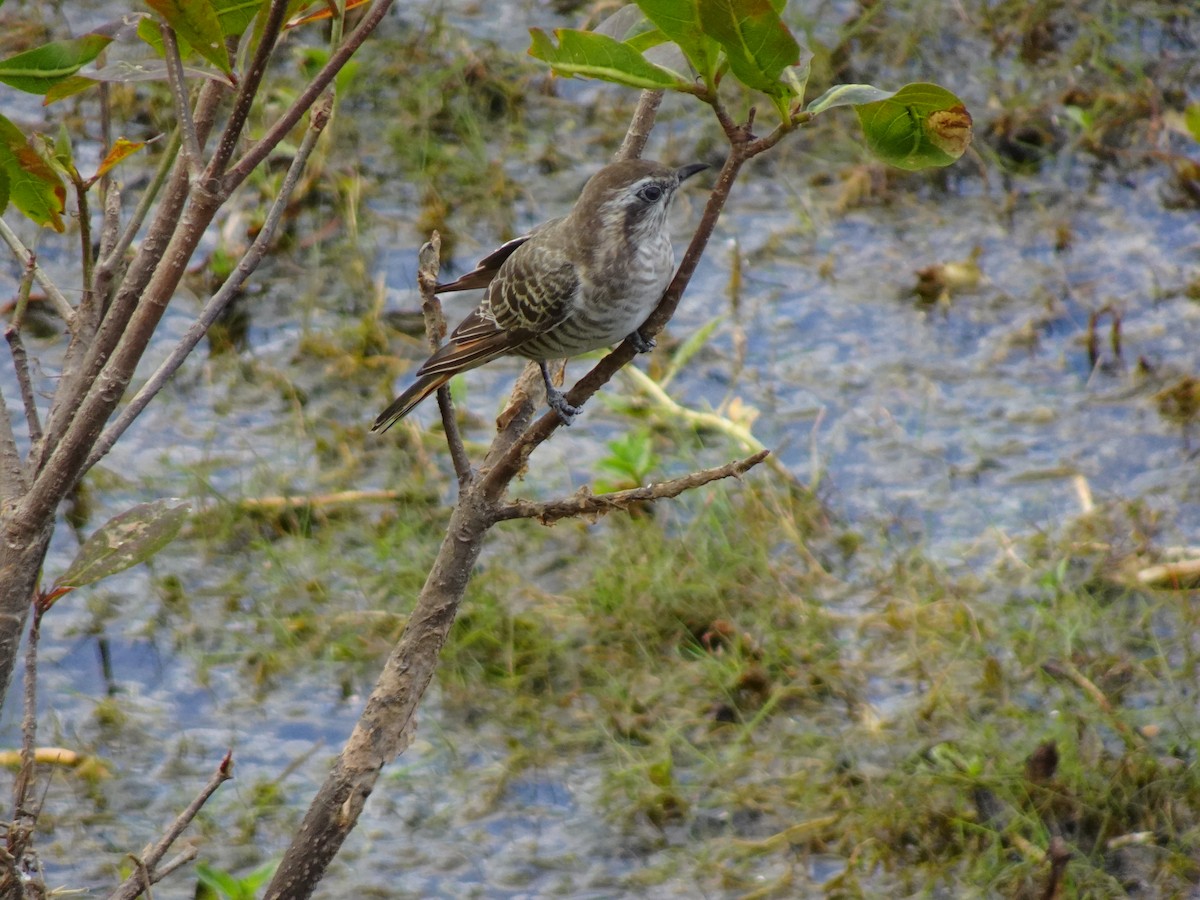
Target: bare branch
275, 503
110, 260
222, 298
87, 261
178, 861
387, 723
88, 354
247, 90
428, 262
28, 258
193, 155
1184, 573
279, 131
12, 473
639, 129
24, 780
586, 504
149, 858
20, 359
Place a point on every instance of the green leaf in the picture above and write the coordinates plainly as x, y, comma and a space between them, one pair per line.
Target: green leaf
236, 15
644, 40
36, 71
197, 22
220, 882
3, 191
34, 187
756, 42
68, 87
599, 56
125, 540
680, 22
62, 148
920, 126
848, 95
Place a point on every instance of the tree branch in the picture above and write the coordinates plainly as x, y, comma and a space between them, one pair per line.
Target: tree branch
639, 129
148, 859
28, 258
387, 724
193, 155
242, 103
428, 262
221, 299
20, 359
88, 355
586, 504
238, 172
12, 473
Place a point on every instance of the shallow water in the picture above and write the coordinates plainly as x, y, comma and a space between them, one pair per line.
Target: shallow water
937, 426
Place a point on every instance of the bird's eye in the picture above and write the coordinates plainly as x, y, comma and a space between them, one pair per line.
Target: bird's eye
651, 193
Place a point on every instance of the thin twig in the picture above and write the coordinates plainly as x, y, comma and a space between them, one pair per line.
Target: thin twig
178, 861
132, 886
216, 305
272, 24
111, 260
586, 504
20, 358
193, 155
240, 170
1184, 573
96, 290
87, 261
24, 779
428, 263
27, 257
641, 125
320, 501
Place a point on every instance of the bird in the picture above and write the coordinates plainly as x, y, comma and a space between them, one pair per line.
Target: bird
573, 284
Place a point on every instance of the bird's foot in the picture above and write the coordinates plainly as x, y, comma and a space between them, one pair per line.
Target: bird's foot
557, 401
642, 344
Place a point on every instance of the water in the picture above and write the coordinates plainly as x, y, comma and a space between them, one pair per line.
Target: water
938, 426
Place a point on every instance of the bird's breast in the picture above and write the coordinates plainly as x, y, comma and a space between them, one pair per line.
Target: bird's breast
616, 295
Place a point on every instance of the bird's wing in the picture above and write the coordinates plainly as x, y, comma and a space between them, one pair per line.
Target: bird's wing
477, 340
535, 290
531, 294
485, 270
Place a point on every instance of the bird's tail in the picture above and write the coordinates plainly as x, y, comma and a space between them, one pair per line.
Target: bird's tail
404, 404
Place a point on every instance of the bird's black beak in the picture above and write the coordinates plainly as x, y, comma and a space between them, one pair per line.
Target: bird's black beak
686, 172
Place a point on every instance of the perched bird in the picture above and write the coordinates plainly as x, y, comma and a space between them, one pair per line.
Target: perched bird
573, 284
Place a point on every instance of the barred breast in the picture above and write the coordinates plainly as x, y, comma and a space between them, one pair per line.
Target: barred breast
612, 302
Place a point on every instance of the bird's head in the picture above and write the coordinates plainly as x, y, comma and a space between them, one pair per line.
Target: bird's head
631, 197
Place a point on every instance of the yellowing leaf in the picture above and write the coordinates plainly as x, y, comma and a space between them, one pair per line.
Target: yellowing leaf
121, 150
34, 187
920, 126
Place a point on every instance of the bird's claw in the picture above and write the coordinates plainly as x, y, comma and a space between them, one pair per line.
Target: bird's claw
642, 344
557, 401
